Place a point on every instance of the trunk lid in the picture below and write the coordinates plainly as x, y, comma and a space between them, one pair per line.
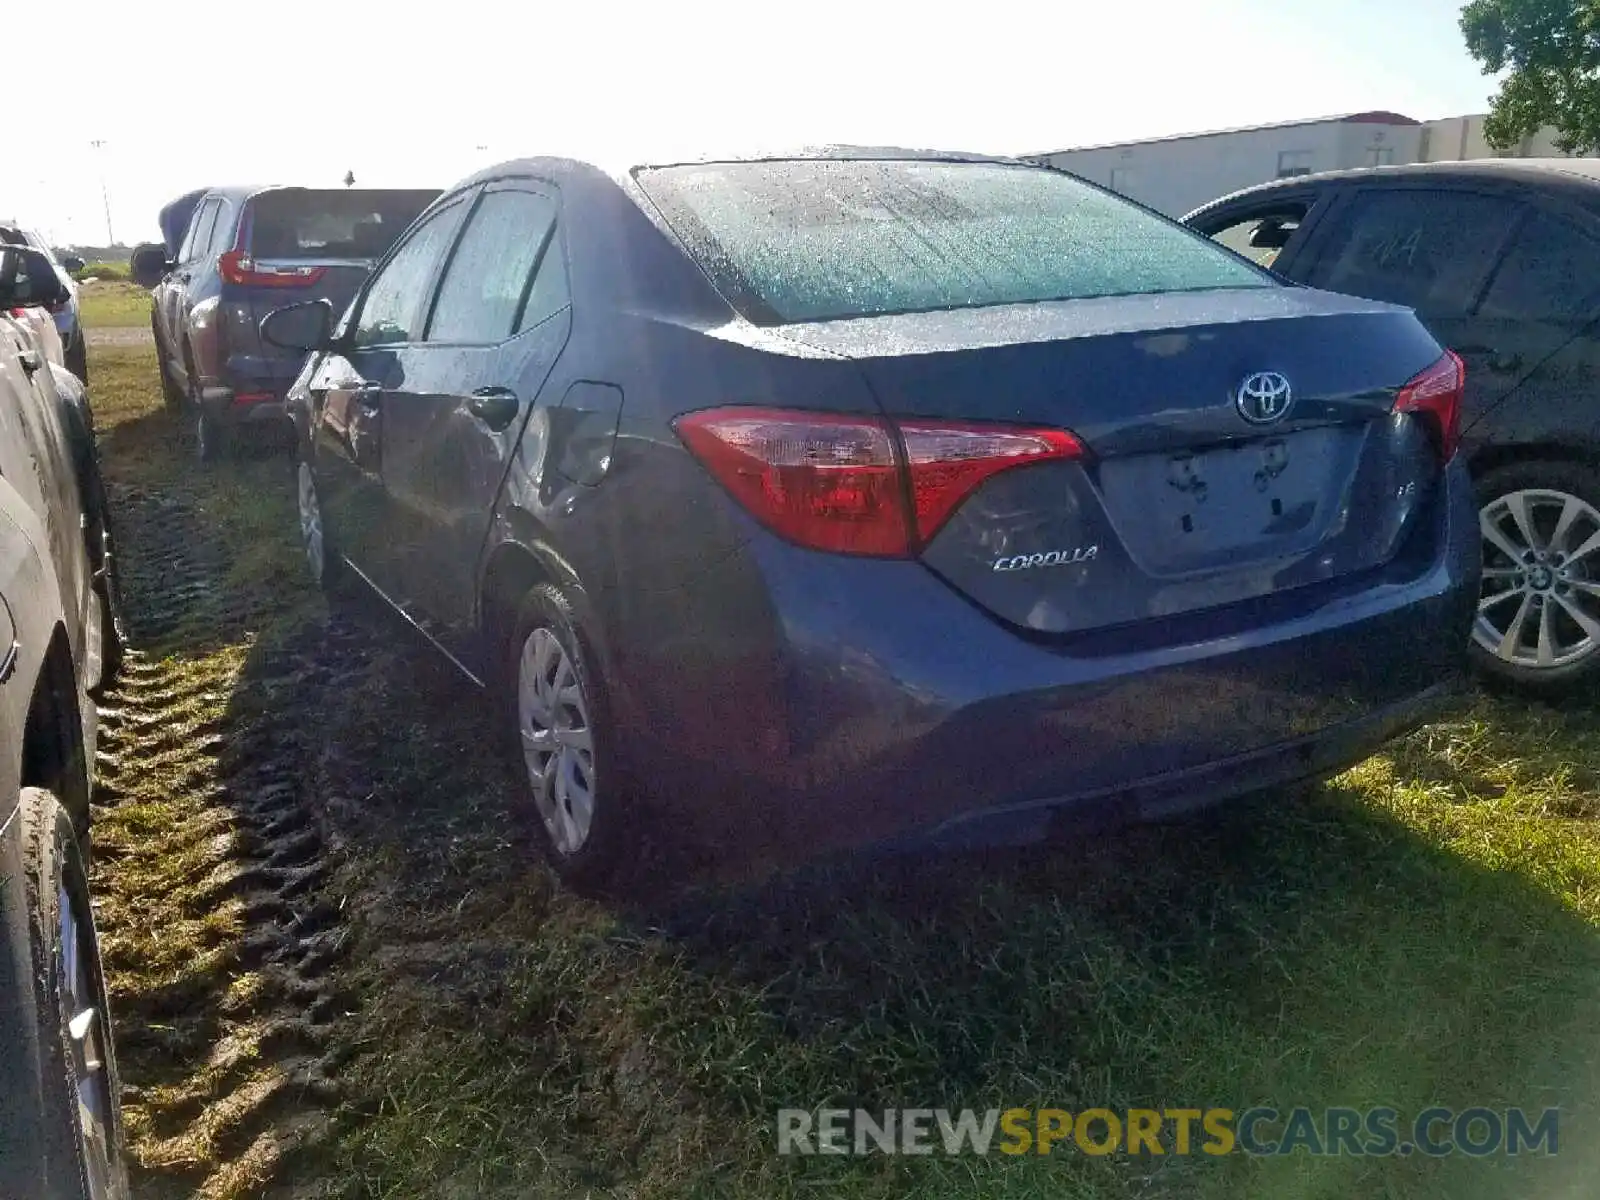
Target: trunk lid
1190, 497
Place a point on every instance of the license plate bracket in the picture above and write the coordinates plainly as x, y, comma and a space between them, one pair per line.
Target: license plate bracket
1226, 503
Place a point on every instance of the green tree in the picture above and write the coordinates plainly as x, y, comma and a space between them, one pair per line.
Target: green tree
1551, 51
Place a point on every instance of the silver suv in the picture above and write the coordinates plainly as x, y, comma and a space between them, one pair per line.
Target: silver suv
64, 312
60, 1129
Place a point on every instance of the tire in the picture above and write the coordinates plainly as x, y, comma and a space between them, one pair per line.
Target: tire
77, 357
1550, 594
83, 1135
213, 440
107, 585
212, 443
546, 639
170, 391
317, 541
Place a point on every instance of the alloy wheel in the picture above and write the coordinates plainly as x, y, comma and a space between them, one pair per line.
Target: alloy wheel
557, 740
87, 1028
1539, 608
311, 521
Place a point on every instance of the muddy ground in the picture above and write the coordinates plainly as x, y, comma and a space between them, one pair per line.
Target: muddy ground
339, 968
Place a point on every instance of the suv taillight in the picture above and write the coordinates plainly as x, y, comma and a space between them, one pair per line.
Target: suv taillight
1436, 395
858, 485
236, 266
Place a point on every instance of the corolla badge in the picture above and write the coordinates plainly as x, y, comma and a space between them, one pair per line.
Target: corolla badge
1051, 558
1263, 397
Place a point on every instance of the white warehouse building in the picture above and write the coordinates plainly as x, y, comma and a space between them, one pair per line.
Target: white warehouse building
1177, 174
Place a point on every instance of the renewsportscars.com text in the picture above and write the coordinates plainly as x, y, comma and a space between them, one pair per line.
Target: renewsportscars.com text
1436, 1132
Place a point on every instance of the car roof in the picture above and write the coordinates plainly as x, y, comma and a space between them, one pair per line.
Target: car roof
620, 167
247, 191
1576, 178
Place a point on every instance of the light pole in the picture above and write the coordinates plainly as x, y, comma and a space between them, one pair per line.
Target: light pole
105, 196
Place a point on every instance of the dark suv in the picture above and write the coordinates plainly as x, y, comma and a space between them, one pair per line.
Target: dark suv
1501, 260
247, 251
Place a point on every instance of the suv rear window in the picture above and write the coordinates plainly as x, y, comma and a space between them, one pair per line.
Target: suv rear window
820, 239
299, 223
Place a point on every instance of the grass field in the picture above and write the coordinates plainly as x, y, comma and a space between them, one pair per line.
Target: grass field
338, 968
113, 304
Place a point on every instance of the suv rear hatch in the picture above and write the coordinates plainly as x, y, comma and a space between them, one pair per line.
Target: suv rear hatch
297, 244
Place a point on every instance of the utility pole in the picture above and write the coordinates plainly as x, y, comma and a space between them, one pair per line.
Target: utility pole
105, 196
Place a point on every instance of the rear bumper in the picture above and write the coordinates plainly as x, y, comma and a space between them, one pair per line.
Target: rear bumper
237, 408
820, 702
252, 390
1318, 756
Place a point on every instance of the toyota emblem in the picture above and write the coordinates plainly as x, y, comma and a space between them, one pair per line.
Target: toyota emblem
1263, 397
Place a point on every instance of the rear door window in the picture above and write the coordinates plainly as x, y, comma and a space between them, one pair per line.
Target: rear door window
1551, 273
200, 227
487, 281
396, 299
222, 231
822, 239
1429, 249
549, 292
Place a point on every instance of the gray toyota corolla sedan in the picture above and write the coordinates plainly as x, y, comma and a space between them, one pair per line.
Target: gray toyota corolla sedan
863, 494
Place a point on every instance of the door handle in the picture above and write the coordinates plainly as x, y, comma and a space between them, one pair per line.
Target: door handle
496, 407
367, 395
29, 361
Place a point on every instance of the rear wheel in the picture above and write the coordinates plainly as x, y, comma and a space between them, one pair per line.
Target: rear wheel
211, 441
564, 734
211, 437
170, 391
77, 356
83, 1135
322, 555
1538, 623
107, 585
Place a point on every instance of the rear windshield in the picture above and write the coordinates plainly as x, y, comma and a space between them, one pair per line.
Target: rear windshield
810, 240
296, 223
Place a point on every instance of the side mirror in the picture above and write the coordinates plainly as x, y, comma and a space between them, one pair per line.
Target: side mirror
149, 264
305, 326
29, 278
72, 263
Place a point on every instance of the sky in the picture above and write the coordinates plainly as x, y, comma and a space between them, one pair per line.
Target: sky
188, 93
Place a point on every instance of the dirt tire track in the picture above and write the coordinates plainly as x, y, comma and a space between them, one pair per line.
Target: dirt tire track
211, 866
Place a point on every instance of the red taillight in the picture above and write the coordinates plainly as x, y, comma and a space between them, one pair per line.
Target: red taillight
948, 460
1436, 394
238, 267
841, 483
